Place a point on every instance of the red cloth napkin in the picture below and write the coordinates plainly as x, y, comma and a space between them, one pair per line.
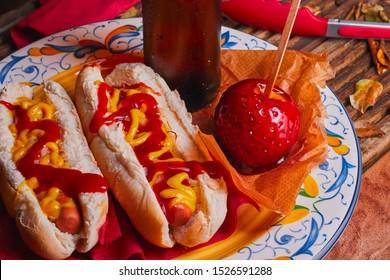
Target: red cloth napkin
58, 15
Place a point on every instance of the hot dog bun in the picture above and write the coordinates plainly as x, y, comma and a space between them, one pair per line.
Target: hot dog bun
39, 233
124, 172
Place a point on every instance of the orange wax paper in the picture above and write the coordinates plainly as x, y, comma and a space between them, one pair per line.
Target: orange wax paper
301, 75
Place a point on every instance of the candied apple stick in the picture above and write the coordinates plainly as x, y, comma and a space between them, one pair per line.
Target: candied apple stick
282, 46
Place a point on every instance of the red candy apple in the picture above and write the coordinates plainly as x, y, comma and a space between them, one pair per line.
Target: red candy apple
254, 130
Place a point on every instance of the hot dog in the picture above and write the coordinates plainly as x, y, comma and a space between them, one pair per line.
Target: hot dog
50, 182
151, 154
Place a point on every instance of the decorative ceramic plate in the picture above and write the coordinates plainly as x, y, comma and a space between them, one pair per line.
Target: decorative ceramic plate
328, 196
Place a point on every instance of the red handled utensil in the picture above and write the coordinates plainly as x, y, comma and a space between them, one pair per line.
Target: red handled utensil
271, 15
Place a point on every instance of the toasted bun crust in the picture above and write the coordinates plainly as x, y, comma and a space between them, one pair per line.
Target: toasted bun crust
41, 235
125, 174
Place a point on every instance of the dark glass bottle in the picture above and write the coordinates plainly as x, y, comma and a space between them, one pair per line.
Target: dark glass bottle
182, 44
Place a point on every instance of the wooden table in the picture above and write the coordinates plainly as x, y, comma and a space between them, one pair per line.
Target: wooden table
368, 234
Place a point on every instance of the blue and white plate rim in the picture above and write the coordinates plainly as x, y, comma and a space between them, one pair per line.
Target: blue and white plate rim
243, 41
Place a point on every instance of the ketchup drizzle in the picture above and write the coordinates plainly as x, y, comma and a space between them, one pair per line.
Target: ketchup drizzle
154, 142
70, 181
7, 105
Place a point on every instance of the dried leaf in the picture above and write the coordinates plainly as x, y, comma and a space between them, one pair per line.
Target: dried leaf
382, 56
374, 13
365, 95
370, 131
352, 13
355, 12
383, 16
314, 9
358, 10
377, 13
365, 129
370, 8
379, 56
